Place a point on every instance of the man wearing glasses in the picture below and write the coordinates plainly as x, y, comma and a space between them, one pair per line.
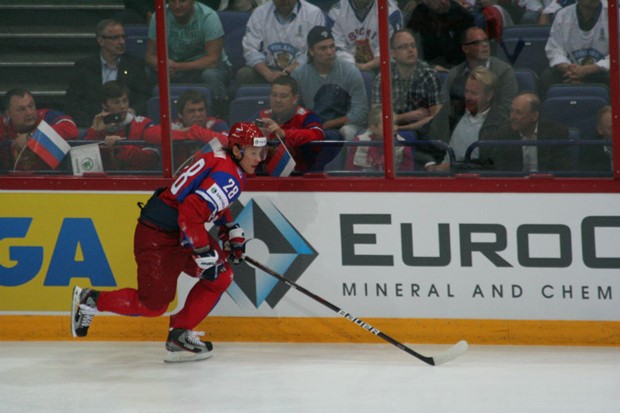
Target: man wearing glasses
415, 84
477, 51
111, 63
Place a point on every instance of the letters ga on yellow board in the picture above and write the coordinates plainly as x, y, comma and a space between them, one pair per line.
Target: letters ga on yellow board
50, 242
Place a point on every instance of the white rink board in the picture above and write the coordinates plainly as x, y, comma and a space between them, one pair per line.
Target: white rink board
567, 289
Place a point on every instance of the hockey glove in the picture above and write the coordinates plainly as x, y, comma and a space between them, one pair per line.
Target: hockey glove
233, 239
206, 258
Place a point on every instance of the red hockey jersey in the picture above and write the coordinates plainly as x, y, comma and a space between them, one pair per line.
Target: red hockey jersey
203, 192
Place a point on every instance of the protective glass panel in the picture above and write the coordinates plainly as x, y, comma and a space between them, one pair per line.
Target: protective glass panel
536, 103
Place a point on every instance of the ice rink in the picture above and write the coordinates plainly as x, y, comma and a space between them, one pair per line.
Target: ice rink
119, 377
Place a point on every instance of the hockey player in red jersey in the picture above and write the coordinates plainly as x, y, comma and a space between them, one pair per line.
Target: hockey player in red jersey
170, 237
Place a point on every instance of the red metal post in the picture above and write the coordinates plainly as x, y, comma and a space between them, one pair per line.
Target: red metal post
614, 82
164, 89
386, 88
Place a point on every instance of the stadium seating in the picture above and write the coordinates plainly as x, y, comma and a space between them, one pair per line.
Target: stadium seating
245, 109
136, 30
136, 46
523, 46
599, 90
234, 24
527, 80
152, 105
256, 90
574, 112
137, 37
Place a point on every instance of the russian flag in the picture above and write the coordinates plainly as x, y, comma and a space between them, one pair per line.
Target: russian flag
281, 163
48, 144
213, 145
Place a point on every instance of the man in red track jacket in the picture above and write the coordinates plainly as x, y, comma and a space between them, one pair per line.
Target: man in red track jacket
286, 120
16, 127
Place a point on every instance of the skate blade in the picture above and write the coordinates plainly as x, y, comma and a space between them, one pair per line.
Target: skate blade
75, 304
183, 356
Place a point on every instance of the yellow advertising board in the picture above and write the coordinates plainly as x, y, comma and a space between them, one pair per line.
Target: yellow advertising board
52, 241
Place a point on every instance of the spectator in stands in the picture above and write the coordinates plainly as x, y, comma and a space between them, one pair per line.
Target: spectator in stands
111, 63
331, 88
192, 110
356, 31
193, 121
195, 49
495, 18
415, 84
192, 124
136, 11
275, 39
289, 122
115, 101
527, 125
532, 10
371, 158
551, 7
598, 158
578, 45
241, 5
475, 46
437, 26
141, 11
21, 120
482, 117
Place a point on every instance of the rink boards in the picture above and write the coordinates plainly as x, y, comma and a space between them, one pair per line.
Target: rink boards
422, 267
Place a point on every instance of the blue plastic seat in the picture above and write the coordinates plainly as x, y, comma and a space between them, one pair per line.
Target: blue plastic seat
136, 30
598, 90
176, 90
234, 24
527, 80
245, 109
136, 46
523, 46
256, 90
574, 112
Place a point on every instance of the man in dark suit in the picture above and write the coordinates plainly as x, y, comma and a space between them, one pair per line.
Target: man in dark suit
526, 124
84, 92
598, 158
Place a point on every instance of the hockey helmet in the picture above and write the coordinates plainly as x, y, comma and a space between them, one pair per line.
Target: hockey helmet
246, 134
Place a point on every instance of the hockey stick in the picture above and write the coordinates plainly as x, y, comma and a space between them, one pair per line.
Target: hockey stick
450, 354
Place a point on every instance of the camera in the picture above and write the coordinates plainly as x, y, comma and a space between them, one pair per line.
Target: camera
260, 123
112, 118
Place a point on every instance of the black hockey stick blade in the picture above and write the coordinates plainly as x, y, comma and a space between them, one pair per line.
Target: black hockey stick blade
450, 354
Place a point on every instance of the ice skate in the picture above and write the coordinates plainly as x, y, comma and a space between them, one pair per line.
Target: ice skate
83, 309
185, 345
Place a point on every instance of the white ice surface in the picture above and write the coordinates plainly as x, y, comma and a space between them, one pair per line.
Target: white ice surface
130, 377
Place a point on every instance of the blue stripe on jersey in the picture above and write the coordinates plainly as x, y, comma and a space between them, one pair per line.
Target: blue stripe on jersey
229, 184
193, 185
